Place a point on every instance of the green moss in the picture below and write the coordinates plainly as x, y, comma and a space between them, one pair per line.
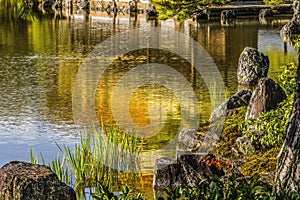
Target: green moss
227, 147
261, 163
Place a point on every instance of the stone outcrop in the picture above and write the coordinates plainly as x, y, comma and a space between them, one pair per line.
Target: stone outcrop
25, 181
252, 66
239, 99
265, 97
186, 171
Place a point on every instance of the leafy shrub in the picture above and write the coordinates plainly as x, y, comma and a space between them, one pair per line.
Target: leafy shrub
233, 188
288, 78
269, 129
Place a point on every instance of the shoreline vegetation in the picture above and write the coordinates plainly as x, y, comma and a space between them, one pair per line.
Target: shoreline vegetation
248, 175
106, 159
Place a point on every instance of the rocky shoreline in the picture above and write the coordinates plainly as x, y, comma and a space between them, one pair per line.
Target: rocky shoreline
195, 165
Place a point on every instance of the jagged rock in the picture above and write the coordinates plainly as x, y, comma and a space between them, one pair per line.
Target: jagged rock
21, 180
239, 99
186, 171
252, 66
265, 97
188, 140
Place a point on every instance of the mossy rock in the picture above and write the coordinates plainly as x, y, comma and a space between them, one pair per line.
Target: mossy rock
227, 147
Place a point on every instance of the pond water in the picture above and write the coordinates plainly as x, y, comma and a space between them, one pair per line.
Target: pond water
40, 61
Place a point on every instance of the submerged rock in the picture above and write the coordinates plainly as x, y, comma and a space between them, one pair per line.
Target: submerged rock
265, 97
21, 180
239, 99
252, 66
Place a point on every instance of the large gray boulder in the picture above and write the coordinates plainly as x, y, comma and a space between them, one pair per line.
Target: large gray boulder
252, 66
26, 181
265, 97
239, 99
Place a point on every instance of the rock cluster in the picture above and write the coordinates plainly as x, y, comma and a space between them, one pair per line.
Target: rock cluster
252, 71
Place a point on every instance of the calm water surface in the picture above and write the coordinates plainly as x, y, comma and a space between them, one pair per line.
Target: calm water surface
39, 61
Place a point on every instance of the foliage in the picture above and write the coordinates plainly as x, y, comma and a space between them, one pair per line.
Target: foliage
297, 43
261, 162
288, 78
182, 9
269, 129
95, 157
276, 2
229, 189
96, 160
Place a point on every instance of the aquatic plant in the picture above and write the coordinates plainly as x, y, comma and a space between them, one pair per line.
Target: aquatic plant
103, 156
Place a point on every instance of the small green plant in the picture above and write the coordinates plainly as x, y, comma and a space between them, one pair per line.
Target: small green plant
288, 78
233, 188
269, 129
34, 159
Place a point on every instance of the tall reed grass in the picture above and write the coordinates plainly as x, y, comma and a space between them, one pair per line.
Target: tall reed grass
103, 156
